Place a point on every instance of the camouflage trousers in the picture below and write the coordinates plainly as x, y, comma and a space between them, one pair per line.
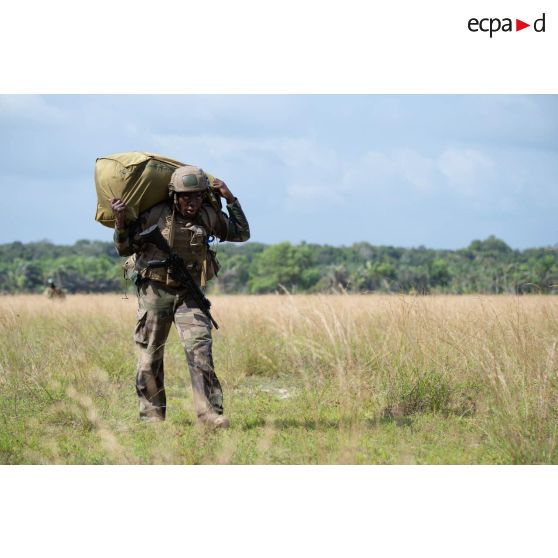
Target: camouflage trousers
159, 307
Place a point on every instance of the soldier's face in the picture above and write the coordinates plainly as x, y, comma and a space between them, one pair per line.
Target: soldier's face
189, 203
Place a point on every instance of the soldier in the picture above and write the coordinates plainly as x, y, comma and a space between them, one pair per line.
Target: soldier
53, 292
188, 225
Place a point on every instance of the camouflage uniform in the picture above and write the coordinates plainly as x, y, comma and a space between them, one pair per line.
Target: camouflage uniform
162, 301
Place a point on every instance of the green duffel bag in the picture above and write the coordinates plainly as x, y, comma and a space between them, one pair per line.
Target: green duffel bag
140, 180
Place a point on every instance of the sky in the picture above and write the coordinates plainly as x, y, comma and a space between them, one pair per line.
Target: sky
400, 170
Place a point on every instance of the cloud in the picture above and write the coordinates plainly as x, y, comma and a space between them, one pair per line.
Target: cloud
309, 177
312, 197
27, 110
407, 169
416, 169
294, 152
466, 170
396, 172
308, 173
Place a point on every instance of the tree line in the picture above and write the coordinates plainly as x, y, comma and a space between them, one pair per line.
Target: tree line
486, 266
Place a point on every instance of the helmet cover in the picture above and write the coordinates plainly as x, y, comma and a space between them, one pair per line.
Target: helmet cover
188, 179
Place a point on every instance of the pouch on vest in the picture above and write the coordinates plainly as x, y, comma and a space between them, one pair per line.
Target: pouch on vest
129, 269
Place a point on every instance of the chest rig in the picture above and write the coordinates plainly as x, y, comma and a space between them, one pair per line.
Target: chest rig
189, 238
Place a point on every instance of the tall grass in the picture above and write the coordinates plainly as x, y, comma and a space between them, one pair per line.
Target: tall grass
307, 379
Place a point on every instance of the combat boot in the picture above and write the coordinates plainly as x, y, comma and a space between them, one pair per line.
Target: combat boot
214, 420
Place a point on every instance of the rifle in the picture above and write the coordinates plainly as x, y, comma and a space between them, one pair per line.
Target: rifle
177, 269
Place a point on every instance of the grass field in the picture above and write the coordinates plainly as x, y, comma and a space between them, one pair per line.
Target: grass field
307, 379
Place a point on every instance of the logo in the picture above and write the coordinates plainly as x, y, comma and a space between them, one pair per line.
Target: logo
493, 25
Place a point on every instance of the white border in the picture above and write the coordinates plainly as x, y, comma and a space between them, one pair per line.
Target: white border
288, 46
278, 511
249, 46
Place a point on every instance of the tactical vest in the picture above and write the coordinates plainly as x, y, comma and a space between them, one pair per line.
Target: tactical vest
189, 239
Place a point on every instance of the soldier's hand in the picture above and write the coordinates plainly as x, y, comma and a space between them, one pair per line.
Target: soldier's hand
223, 190
119, 209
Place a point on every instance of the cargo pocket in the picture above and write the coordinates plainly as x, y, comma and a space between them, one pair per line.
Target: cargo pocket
140, 333
194, 328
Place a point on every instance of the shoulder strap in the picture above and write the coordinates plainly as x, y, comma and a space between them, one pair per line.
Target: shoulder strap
211, 220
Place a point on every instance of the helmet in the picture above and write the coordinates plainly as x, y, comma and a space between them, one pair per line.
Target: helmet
188, 179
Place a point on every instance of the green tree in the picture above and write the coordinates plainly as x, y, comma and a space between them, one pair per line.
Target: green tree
439, 273
283, 266
31, 277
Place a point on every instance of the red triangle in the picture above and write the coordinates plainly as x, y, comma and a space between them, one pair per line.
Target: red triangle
519, 25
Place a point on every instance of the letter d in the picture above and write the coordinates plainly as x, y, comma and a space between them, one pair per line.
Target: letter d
535, 27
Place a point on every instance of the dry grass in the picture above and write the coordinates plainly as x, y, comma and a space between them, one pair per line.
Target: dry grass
308, 379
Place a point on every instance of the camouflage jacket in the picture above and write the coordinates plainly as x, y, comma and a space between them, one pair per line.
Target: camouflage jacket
188, 237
